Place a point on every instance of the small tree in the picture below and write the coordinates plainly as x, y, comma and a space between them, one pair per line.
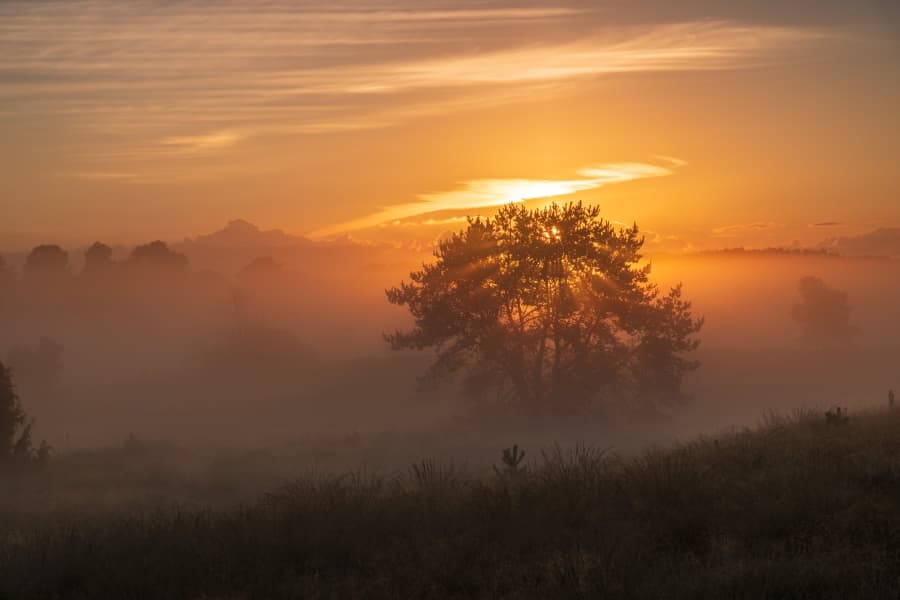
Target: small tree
549, 309
47, 260
15, 430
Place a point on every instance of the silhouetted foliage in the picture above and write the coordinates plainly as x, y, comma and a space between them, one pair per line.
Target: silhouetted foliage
512, 460
15, 429
549, 309
12, 417
47, 259
836, 417
823, 314
158, 254
98, 257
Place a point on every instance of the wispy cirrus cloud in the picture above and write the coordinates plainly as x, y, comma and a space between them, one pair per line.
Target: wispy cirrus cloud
191, 144
490, 193
156, 81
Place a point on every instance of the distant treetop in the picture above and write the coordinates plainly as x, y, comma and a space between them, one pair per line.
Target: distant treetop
98, 256
47, 258
158, 254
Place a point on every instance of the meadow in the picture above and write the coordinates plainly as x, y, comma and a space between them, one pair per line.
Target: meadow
802, 506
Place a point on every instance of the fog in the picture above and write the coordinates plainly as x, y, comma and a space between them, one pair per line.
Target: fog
254, 339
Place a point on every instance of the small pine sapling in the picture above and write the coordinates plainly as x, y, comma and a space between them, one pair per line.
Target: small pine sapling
836, 417
512, 459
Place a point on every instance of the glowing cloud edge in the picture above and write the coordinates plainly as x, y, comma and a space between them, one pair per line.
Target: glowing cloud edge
488, 193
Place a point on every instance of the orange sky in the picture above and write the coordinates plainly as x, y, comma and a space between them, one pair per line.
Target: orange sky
710, 123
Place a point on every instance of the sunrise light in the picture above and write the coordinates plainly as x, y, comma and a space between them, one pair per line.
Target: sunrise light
449, 299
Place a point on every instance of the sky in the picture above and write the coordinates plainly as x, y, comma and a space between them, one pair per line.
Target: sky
710, 123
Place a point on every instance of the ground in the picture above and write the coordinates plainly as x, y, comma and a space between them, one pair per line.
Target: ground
800, 507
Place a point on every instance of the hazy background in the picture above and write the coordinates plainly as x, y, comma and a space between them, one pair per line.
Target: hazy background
266, 338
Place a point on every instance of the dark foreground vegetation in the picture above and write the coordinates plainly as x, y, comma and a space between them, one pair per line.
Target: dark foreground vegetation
805, 507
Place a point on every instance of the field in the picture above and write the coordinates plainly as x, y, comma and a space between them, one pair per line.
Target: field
800, 507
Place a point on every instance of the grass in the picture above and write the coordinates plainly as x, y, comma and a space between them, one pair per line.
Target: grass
798, 508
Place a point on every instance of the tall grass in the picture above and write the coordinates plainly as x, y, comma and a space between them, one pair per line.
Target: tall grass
798, 508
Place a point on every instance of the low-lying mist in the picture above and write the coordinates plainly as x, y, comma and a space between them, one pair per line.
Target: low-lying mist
248, 339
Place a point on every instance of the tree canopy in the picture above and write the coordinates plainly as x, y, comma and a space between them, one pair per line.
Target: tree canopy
158, 255
47, 259
549, 309
99, 256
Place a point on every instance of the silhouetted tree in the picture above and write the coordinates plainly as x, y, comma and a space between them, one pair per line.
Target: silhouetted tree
158, 254
823, 314
48, 260
98, 258
549, 308
12, 417
15, 429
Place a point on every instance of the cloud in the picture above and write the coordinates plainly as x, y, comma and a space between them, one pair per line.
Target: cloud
661, 48
193, 144
487, 193
735, 230
828, 224
161, 80
879, 242
102, 176
675, 162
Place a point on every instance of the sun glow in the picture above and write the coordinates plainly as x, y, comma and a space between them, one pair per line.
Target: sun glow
491, 193
552, 234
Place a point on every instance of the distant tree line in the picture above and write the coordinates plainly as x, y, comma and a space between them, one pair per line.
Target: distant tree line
48, 261
153, 295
